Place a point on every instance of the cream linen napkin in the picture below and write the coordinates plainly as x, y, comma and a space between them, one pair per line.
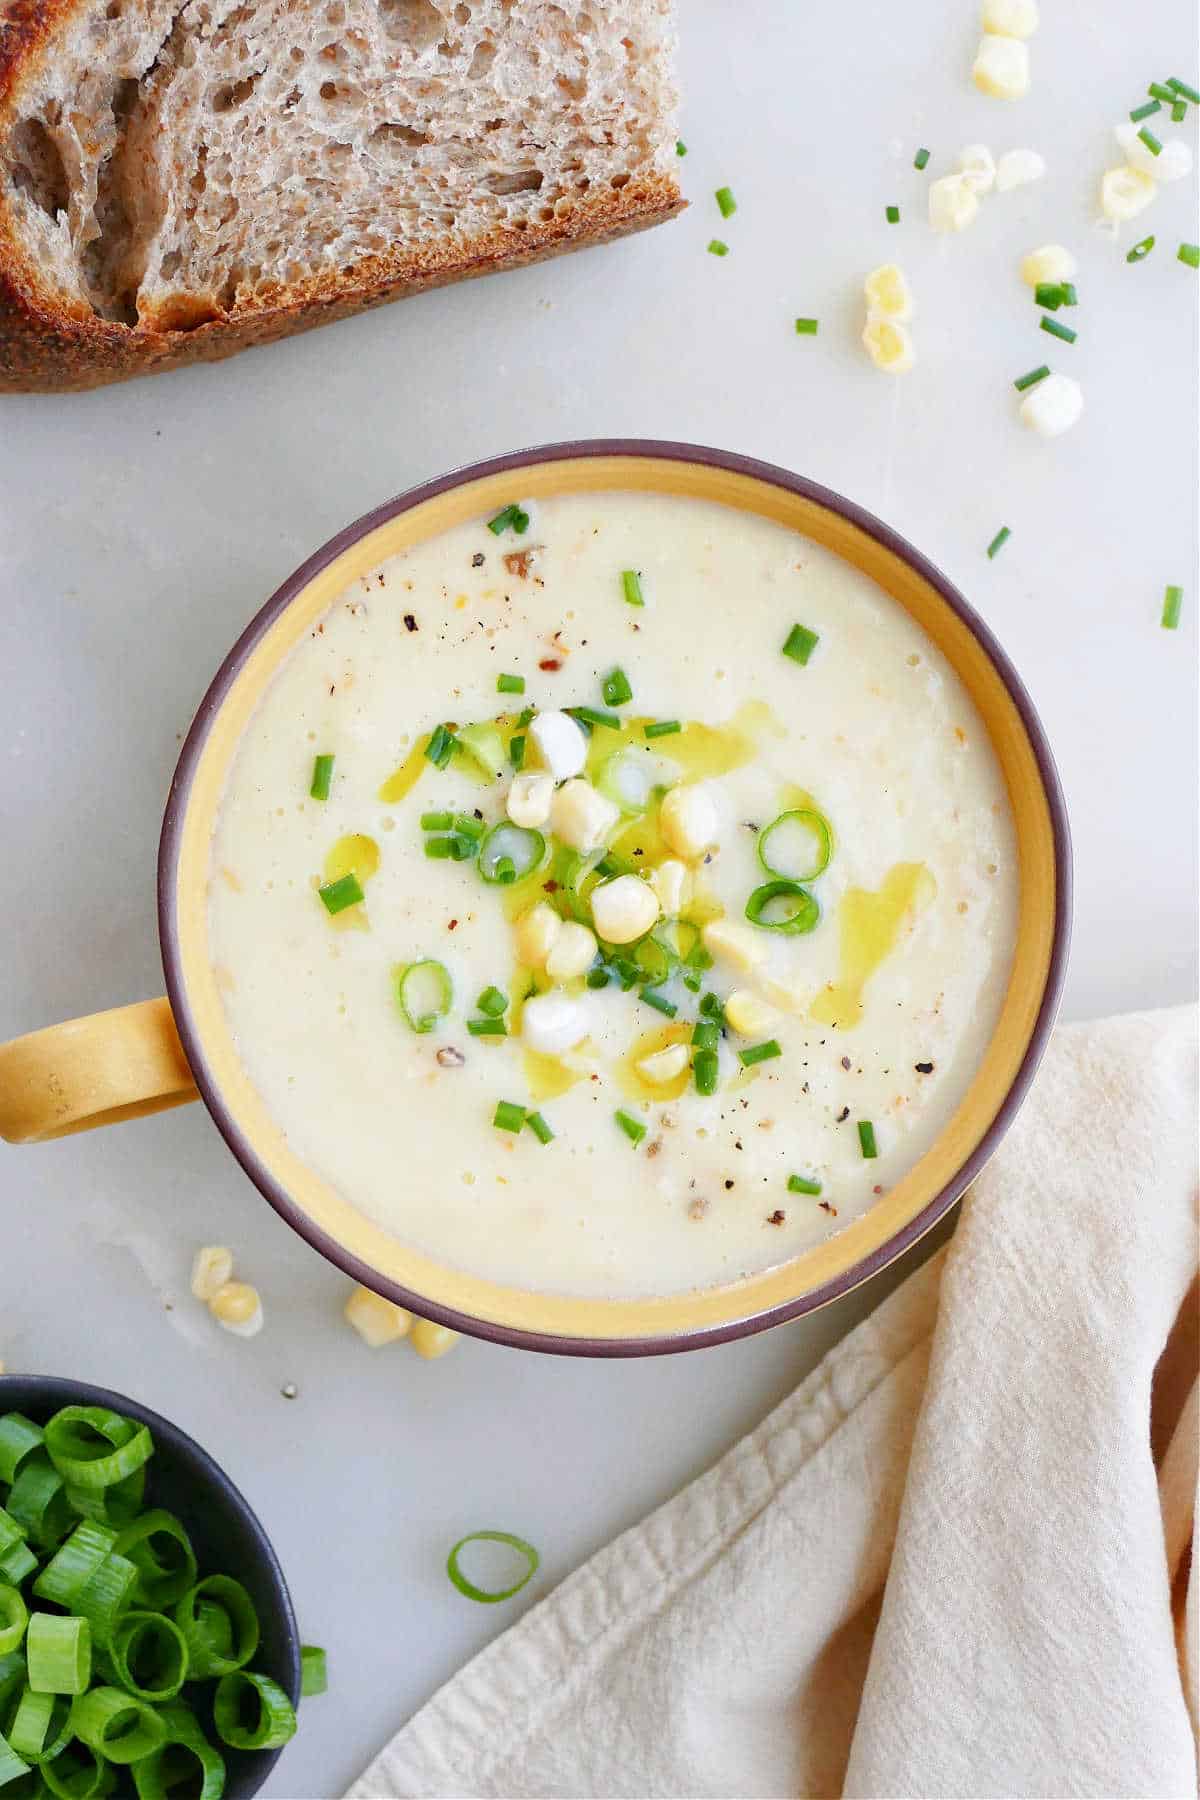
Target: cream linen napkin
944, 1566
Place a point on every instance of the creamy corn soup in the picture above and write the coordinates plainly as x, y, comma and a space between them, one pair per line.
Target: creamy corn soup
615, 897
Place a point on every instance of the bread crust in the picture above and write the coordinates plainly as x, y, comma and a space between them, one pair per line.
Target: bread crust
49, 344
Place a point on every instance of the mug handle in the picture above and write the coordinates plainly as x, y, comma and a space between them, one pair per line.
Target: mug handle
110, 1066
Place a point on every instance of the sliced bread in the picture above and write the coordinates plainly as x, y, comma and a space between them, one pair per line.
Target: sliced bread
181, 180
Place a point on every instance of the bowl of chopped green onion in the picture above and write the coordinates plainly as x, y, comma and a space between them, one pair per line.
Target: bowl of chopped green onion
147, 1640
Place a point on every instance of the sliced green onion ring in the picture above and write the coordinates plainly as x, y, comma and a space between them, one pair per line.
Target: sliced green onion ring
39, 1728
509, 852
252, 1712
71, 1568
161, 1551
149, 1656
487, 1596
105, 1597
115, 1505
69, 1779
19, 1438
186, 1755
58, 1653
14, 1616
796, 846
11, 1766
314, 1675
116, 1725
38, 1502
424, 994
220, 1626
792, 908
92, 1447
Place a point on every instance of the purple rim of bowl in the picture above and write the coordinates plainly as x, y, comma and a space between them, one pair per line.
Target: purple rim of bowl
169, 847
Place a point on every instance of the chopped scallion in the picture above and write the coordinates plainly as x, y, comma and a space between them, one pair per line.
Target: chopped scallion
999, 541
706, 1034
662, 728
487, 1028
1146, 111
866, 1138
1189, 254
633, 1128
441, 746
592, 715
807, 327
1157, 91
336, 896
706, 1069
1182, 88
509, 518
1031, 380
1140, 250
615, 688
1153, 144
725, 200
539, 1127
322, 777
1059, 331
508, 1116
680, 147
1048, 293
653, 998
510, 684
1069, 296
921, 158
489, 1596
424, 994
1172, 607
892, 214
800, 1184
492, 1002
436, 821
631, 587
760, 1053
1178, 112
800, 644
717, 248
516, 751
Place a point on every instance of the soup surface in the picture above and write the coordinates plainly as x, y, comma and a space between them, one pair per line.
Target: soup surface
776, 891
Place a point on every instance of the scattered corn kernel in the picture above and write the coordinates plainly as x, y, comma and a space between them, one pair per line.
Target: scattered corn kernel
376, 1320
535, 933
1018, 167
1001, 67
1172, 163
977, 167
748, 1013
663, 1065
581, 816
1053, 406
237, 1306
888, 293
738, 944
572, 953
688, 821
672, 882
560, 743
552, 1023
953, 204
1126, 192
1010, 18
1049, 264
212, 1267
624, 909
529, 798
430, 1340
889, 345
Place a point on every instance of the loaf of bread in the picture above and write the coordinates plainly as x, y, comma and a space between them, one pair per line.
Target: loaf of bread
179, 181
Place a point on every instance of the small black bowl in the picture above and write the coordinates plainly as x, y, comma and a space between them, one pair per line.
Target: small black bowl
225, 1534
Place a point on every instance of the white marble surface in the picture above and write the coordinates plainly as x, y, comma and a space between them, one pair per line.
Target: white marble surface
143, 525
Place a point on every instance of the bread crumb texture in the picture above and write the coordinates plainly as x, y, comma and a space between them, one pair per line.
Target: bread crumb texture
177, 181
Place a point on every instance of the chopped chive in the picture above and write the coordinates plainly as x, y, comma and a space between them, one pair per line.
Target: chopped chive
1146, 111
615, 688
921, 158
441, 746
892, 214
800, 644
662, 728
717, 248
711, 1008
1157, 91
1059, 331
322, 778
680, 147
466, 825
1178, 112
633, 1128
998, 542
487, 1028
725, 200
1031, 380
800, 1184
807, 327
508, 1116
599, 977
336, 896
509, 518
706, 1034
1140, 251
539, 1127
525, 717
706, 1068
436, 821
1153, 144
1172, 606
1048, 293
631, 587
591, 715
1069, 295
1189, 254
758, 1053
510, 684
653, 998
437, 848
1182, 89
516, 752
866, 1138
492, 1002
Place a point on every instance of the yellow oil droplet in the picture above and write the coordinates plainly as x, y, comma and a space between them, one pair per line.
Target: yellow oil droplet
869, 925
404, 779
793, 798
699, 750
546, 1077
634, 1085
358, 855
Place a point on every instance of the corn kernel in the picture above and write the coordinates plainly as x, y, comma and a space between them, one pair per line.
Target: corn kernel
572, 953
1172, 163
560, 744
672, 882
1017, 167
738, 944
1050, 264
953, 204
888, 294
748, 1013
237, 1306
554, 1022
581, 816
687, 819
977, 166
212, 1267
1053, 405
535, 933
1010, 18
529, 797
1124, 193
376, 1320
663, 1065
889, 345
1001, 67
430, 1340
624, 909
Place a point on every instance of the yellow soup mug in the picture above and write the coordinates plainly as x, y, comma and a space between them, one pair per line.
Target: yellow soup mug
140, 1059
